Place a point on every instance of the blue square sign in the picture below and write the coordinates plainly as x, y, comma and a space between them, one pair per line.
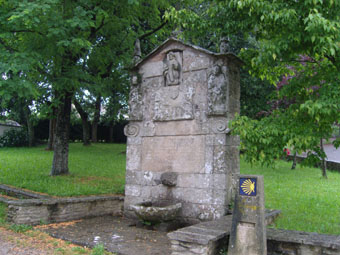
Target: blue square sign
248, 186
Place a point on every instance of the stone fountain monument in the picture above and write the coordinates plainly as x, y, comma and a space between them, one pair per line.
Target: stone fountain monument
178, 144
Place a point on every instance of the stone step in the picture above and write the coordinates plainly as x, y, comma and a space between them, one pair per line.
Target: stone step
208, 238
210, 231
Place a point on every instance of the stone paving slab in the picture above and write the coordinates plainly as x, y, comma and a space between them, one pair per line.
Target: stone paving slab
116, 233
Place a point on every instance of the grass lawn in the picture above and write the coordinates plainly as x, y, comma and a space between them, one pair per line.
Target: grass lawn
95, 169
308, 202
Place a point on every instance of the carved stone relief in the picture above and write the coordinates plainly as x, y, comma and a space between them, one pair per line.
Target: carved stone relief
221, 126
172, 70
148, 129
217, 90
174, 103
135, 104
131, 130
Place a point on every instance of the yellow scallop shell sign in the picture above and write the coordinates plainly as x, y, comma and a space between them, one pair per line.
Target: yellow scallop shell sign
248, 186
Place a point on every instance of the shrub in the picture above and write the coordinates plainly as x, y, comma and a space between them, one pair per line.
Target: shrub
14, 137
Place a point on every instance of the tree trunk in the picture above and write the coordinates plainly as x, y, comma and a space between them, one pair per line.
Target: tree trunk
51, 130
84, 121
323, 161
30, 126
294, 161
61, 137
95, 121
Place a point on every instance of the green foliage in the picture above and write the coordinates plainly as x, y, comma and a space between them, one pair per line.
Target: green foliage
223, 251
255, 95
60, 251
99, 249
295, 39
15, 137
3, 213
20, 228
146, 223
50, 50
78, 250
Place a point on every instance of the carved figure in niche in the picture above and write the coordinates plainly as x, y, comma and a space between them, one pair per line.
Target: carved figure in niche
172, 70
217, 90
135, 105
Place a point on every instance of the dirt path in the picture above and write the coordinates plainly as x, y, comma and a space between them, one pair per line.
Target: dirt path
35, 242
13, 243
117, 234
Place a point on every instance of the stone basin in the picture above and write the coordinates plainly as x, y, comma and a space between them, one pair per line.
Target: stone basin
156, 212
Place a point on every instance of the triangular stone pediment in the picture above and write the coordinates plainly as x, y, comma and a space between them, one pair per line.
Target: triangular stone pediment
180, 44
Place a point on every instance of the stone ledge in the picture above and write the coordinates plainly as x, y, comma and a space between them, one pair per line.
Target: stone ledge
12, 191
211, 231
208, 237
331, 165
35, 211
54, 201
299, 237
36, 208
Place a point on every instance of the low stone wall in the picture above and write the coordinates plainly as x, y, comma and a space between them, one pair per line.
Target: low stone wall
301, 243
204, 238
21, 193
331, 165
35, 211
34, 208
6, 127
209, 238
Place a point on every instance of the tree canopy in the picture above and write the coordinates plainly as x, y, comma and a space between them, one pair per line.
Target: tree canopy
69, 46
299, 40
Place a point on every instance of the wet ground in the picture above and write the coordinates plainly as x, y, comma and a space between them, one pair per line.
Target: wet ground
117, 234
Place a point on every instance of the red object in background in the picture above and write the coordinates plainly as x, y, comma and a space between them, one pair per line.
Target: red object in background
287, 151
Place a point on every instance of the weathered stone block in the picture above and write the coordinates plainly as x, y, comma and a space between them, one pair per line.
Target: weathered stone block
233, 107
203, 212
189, 180
155, 193
232, 140
169, 179
199, 196
173, 154
145, 178
35, 211
133, 190
152, 68
220, 165
194, 61
232, 159
209, 159
184, 94
248, 232
133, 157
134, 140
185, 127
174, 103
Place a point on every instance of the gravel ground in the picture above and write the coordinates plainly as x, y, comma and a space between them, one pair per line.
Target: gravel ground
11, 244
117, 234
